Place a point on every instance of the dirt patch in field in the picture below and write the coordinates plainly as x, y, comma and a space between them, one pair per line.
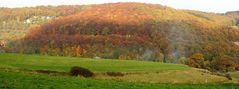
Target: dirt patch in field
115, 74
49, 72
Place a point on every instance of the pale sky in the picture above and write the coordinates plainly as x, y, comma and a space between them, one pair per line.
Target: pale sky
202, 5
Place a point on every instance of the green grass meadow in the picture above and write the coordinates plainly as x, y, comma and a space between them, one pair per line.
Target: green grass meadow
97, 65
145, 75
40, 81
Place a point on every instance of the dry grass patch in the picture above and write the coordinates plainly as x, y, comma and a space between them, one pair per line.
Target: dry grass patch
192, 76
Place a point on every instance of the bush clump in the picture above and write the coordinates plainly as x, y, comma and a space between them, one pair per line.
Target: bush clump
80, 71
228, 76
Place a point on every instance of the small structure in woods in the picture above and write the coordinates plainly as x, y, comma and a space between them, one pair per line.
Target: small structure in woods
237, 43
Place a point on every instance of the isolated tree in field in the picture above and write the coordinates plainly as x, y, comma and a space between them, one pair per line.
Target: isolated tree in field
196, 60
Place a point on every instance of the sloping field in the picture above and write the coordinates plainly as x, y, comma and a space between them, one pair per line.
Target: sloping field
137, 74
97, 65
27, 81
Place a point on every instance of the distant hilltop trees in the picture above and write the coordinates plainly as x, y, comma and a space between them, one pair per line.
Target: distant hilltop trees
15, 22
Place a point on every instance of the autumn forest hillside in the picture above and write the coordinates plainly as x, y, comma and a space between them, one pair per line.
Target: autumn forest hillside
133, 31
15, 22
235, 15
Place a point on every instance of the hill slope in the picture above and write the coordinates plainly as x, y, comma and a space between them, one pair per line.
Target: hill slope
134, 31
37, 62
235, 15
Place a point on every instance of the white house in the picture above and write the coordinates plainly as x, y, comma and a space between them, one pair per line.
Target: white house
237, 43
28, 21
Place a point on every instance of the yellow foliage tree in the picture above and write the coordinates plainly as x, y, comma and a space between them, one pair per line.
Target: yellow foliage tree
196, 60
